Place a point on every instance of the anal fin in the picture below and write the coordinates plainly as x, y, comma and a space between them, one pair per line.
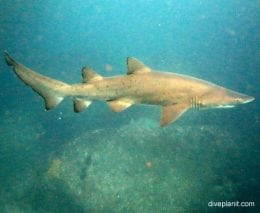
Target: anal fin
119, 105
80, 105
171, 113
51, 101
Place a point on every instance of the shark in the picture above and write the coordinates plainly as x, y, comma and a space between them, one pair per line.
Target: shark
174, 93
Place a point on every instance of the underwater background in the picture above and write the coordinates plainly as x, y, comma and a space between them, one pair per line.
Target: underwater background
100, 161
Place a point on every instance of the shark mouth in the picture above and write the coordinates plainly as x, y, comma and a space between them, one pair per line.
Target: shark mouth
225, 106
249, 100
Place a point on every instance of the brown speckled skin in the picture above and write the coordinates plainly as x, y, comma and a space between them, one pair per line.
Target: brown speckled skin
174, 92
158, 88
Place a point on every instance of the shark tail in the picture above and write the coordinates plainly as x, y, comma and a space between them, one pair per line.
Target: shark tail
52, 91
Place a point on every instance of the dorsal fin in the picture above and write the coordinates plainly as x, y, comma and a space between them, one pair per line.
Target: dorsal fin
89, 75
134, 66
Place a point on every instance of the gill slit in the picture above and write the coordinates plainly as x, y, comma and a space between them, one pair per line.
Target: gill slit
195, 103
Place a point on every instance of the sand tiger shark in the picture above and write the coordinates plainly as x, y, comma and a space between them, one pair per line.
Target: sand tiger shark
175, 93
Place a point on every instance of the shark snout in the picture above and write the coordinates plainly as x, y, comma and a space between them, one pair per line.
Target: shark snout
247, 99
243, 99
239, 98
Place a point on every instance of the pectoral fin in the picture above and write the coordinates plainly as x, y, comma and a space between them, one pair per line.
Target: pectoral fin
119, 105
171, 113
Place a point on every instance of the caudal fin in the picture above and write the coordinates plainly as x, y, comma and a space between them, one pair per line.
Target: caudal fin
9, 60
51, 90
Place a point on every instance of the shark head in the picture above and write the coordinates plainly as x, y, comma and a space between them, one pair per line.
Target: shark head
224, 98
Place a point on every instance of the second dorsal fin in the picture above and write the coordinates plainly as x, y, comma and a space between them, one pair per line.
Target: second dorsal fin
134, 66
89, 75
